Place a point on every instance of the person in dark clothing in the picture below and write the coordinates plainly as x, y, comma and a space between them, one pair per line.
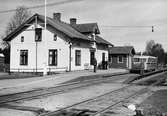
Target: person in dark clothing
95, 64
103, 64
106, 65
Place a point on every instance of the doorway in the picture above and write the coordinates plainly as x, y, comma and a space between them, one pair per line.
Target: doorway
92, 56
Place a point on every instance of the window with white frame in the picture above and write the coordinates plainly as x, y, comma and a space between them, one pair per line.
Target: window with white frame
53, 57
120, 59
78, 57
55, 37
22, 38
38, 34
23, 57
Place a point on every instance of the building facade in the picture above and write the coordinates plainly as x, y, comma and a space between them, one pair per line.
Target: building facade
62, 47
121, 57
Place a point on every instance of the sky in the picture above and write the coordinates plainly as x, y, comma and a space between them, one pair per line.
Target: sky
109, 14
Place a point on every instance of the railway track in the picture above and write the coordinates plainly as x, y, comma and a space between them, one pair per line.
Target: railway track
4, 99
100, 104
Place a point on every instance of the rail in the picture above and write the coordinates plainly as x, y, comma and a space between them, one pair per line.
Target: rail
98, 113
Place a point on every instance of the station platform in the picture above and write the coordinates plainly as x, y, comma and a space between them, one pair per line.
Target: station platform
9, 86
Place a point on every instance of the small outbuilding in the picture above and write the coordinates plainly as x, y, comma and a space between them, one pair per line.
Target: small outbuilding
121, 56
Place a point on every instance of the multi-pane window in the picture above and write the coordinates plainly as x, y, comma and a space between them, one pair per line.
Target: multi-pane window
38, 34
78, 57
120, 59
53, 57
23, 57
22, 38
55, 37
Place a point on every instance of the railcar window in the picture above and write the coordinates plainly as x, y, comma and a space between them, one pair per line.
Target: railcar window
152, 60
144, 59
136, 60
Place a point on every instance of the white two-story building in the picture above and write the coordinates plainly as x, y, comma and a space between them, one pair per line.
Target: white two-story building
65, 47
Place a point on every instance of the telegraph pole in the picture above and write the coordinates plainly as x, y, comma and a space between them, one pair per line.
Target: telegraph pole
45, 46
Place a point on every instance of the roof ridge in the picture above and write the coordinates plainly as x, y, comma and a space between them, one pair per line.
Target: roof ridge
85, 23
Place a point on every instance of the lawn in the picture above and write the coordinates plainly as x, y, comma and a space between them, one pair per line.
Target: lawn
156, 104
160, 80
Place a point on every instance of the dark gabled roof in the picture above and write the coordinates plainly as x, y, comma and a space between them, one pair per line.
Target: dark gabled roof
69, 30
87, 28
100, 40
59, 25
122, 50
65, 28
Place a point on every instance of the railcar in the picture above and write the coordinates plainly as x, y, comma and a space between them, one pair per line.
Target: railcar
145, 63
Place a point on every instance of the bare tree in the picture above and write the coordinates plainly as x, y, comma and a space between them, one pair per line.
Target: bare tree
20, 16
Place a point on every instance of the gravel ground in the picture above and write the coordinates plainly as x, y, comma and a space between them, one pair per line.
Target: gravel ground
58, 101
19, 85
11, 112
116, 79
107, 100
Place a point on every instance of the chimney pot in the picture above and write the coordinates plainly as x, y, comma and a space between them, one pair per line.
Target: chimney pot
57, 16
73, 21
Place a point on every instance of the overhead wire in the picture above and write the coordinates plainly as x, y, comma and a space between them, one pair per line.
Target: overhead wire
127, 27
42, 5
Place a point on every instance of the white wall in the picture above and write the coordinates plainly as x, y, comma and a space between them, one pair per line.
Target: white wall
99, 55
85, 56
42, 54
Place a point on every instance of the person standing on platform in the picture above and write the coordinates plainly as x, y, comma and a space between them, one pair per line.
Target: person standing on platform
95, 64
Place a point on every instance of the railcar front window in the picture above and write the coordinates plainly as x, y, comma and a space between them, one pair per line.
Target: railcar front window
136, 60
144, 59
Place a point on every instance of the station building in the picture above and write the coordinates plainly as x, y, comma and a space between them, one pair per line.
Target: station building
62, 47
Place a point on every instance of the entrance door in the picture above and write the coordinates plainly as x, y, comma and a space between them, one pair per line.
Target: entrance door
92, 56
103, 61
103, 56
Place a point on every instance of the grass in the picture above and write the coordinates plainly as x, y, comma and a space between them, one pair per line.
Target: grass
159, 79
156, 104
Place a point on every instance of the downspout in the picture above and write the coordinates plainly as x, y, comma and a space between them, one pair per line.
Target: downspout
70, 56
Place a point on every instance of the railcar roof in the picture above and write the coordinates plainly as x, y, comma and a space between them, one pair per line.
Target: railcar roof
137, 56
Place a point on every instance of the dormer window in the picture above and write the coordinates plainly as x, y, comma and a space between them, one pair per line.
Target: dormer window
55, 37
22, 38
38, 34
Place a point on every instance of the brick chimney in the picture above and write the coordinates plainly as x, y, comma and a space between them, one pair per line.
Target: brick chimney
73, 21
57, 16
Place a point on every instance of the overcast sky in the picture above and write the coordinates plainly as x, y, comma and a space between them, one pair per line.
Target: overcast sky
106, 13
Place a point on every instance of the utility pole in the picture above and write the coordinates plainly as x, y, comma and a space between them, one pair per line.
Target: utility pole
36, 59
45, 46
